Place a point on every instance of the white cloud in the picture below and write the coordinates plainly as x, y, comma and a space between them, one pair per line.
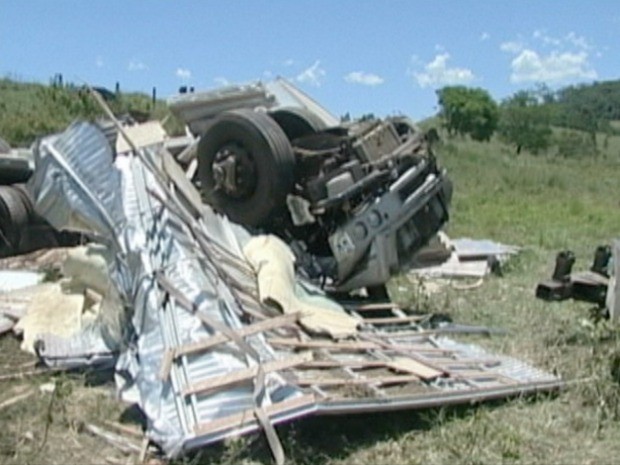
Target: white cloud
183, 74
288, 63
546, 39
484, 36
136, 65
564, 58
437, 73
511, 46
366, 79
99, 62
529, 65
572, 39
221, 81
578, 41
312, 75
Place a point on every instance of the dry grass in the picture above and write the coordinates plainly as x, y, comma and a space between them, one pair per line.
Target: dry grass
543, 204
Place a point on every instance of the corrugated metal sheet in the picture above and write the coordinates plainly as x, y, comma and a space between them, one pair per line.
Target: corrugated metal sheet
187, 282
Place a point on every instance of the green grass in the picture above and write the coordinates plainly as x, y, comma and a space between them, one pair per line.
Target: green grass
542, 203
30, 110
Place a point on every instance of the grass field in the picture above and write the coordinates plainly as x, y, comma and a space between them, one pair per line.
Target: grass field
541, 203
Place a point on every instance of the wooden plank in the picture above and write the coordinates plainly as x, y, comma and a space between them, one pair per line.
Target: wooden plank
473, 375
311, 344
393, 319
408, 352
184, 186
15, 399
371, 307
352, 346
326, 364
238, 376
29, 373
247, 417
401, 364
166, 364
378, 381
262, 326
415, 367
125, 429
121, 443
217, 339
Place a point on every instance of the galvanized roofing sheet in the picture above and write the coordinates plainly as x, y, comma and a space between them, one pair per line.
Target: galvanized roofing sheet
204, 358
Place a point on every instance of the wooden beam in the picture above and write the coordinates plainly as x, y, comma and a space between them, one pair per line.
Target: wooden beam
219, 338
239, 376
326, 364
393, 319
371, 307
16, 399
381, 381
352, 346
247, 417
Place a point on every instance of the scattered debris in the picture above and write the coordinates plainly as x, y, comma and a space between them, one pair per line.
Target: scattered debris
216, 331
461, 258
589, 286
16, 399
15, 294
213, 356
120, 442
459, 263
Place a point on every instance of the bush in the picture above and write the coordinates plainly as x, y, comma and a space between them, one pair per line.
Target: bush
574, 144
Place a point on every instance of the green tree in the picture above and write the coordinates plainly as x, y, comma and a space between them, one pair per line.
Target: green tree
524, 122
468, 111
583, 110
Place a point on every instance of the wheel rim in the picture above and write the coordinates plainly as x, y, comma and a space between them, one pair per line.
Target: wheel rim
234, 171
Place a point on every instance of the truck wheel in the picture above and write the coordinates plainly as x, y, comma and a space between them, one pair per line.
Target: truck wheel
297, 122
13, 215
246, 166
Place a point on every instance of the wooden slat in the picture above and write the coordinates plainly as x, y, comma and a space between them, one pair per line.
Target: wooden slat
408, 352
472, 375
262, 326
125, 429
16, 399
326, 364
380, 381
166, 364
352, 346
415, 367
371, 307
245, 374
247, 417
202, 346
311, 344
393, 319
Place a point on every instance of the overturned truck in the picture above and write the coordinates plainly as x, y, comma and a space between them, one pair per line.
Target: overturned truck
355, 200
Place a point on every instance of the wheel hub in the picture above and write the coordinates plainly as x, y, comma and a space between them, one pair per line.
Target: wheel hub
234, 171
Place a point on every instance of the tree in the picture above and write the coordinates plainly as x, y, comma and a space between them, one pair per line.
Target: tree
468, 111
524, 122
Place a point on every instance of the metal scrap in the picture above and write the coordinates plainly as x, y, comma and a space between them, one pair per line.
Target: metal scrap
203, 356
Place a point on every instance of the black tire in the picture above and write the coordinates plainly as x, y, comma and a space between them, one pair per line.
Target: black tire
297, 122
26, 198
268, 150
13, 215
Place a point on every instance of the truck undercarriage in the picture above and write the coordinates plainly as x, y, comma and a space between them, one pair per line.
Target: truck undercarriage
355, 200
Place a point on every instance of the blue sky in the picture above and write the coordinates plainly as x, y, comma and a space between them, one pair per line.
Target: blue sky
360, 56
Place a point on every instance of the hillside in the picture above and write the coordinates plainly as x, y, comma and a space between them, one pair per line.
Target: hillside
30, 110
543, 203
